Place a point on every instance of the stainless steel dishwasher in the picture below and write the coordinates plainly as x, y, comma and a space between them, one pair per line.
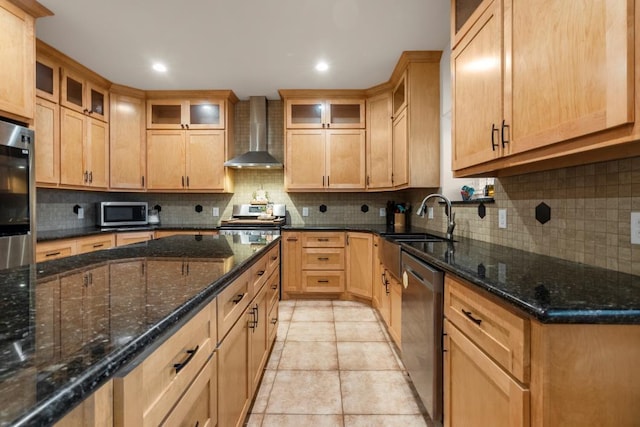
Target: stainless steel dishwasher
422, 307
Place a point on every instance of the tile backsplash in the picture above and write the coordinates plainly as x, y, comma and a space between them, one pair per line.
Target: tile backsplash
590, 214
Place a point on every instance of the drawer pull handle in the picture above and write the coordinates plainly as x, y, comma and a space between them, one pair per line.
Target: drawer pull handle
98, 245
323, 239
323, 281
292, 239
53, 253
237, 299
275, 257
260, 273
274, 320
179, 366
274, 287
323, 258
470, 316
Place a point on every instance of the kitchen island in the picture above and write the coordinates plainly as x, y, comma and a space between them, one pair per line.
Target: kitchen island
69, 325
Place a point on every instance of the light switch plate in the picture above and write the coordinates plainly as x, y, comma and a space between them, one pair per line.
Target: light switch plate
215, 212
430, 212
80, 213
305, 211
502, 218
635, 228
383, 212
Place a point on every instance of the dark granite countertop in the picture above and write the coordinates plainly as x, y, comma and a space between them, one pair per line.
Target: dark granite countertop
66, 326
549, 289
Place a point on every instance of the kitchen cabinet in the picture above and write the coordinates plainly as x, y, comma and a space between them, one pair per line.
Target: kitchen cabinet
17, 56
323, 262
47, 152
186, 160
55, 249
258, 338
325, 159
186, 113
360, 264
95, 411
81, 94
84, 150
95, 243
291, 263
385, 295
175, 374
127, 143
395, 309
416, 120
338, 113
505, 116
47, 75
376, 291
131, 237
379, 153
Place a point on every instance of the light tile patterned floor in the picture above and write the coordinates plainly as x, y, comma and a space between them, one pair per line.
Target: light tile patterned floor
334, 365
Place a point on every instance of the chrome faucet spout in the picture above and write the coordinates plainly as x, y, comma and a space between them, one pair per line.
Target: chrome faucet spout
451, 225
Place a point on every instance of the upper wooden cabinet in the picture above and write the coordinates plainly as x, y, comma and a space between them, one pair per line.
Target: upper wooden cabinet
545, 92
17, 56
185, 114
80, 94
379, 153
127, 144
47, 127
47, 77
325, 114
325, 159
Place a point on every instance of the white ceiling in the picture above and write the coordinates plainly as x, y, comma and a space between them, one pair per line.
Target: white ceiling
253, 47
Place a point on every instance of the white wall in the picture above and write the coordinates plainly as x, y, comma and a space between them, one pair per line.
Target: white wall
450, 186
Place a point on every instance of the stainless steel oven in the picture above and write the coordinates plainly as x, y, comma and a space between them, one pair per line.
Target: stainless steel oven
17, 195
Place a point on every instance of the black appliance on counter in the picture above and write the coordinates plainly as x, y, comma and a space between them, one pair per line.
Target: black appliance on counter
17, 195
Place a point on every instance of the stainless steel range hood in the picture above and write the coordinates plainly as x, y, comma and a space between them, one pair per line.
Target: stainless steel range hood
257, 157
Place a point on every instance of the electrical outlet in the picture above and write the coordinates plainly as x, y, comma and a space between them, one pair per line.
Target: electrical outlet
305, 211
80, 213
502, 272
502, 218
635, 228
430, 212
215, 211
383, 212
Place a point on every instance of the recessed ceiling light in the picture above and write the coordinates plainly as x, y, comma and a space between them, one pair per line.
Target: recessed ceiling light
161, 68
322, 66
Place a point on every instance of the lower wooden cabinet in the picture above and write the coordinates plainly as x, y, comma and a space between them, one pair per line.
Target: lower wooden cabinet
395, 317
291, 267
233, 375
258, 336
95, 243
62, 248
133, 237
360, 264
94, 411
478, 391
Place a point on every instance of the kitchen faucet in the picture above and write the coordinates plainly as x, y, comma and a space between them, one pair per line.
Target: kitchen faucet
452, 216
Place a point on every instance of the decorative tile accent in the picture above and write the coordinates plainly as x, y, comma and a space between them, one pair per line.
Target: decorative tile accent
543, 213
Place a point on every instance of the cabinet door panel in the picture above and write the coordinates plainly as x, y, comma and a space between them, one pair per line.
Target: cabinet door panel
379, 142
360, 264
47, 123
477, 91
477, 392
400, 175
305, 159
345, 164
572, 72
345, 114
127, 142
305, 113
233, 376
17, 73
205, 160
165, 159
72, 135
291, 267
98, 152
206, 115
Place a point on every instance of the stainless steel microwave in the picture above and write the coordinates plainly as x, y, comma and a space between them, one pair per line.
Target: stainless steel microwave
115, 214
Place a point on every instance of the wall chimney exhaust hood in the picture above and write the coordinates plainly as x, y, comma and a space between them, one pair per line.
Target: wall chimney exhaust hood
257, 157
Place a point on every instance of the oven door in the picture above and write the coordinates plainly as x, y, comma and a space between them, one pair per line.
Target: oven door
14, 191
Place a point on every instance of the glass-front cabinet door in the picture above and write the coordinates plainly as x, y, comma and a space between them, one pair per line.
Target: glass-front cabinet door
327, 114
83, 96
345, 114
185, 114
47, 79
305, 114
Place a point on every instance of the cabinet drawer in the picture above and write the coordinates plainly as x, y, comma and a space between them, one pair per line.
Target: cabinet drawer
323, 240
322, 258
146, 394
96, 243
499, 332
231, 303
273, 259
323, 281
199, 404
259, 274
53, 250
